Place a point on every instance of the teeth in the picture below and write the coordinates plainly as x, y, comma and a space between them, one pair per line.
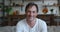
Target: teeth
31, 18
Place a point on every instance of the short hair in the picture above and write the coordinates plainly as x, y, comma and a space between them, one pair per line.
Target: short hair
31, 4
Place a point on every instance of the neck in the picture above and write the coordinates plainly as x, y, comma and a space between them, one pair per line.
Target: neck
31, 23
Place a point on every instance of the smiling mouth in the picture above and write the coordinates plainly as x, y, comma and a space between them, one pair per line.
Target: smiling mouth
31, 18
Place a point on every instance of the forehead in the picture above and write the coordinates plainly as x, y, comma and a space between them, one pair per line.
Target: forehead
32, 8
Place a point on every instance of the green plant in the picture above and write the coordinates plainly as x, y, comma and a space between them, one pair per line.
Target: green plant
8, 9
0, 6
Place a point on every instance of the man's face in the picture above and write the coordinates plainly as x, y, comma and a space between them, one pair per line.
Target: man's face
31, 13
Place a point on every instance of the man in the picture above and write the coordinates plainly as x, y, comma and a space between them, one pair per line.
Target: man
31, 23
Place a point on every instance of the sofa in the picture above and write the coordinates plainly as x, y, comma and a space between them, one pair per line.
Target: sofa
13, 29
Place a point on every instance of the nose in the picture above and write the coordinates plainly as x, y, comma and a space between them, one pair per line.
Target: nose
31, 14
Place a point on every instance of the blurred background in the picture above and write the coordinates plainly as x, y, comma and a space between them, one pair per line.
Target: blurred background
12, 11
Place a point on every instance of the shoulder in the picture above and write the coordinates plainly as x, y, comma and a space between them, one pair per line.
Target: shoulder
41, 21
21, 22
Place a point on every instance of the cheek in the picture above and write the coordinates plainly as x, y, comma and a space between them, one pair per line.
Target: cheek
27, 14
35, 14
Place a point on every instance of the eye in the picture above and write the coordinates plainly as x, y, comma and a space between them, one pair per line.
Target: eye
33, 11
28, 11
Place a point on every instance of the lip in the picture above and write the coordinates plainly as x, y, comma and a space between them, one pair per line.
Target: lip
30, 17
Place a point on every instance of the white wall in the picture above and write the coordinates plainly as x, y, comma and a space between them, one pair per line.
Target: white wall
40, 5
